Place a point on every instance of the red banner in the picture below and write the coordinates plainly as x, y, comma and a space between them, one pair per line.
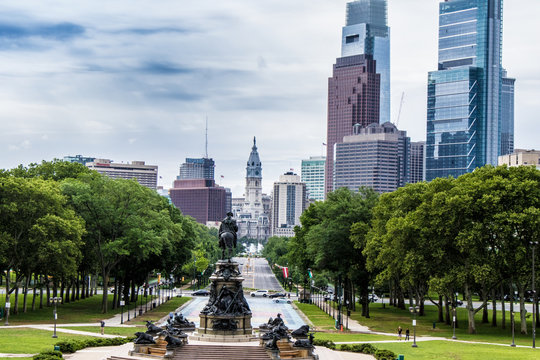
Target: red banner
285, 272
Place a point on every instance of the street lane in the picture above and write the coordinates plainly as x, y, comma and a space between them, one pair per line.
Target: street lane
258, 274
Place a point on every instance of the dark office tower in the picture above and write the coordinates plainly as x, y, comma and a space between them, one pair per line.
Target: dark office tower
507, 115
353, 98
417, 158
202, 168
464, 95
366, 31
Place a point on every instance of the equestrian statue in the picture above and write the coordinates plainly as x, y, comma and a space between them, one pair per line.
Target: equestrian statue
227, 236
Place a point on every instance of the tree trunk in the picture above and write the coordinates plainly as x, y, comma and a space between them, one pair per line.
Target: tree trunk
25, 292
105, 292
78, 284
440, 309
41, 293
16, 306
62, 288
522, 310
494, 310
401, 298
470, 310
447, 311
115, 293
485, 317
34, 292
503, 308
47, 298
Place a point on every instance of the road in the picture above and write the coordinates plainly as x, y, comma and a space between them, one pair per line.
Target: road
258, 274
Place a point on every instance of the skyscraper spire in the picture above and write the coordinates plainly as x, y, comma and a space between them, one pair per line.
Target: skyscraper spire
206, 140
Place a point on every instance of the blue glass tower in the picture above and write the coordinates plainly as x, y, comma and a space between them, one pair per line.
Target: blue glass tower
367, 33
464, 95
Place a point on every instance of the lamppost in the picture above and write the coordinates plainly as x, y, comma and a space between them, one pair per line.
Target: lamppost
128, 304
141, 308
55, 300
8, 304
413, 310
454, 304
122, 303
533, 243
513, 337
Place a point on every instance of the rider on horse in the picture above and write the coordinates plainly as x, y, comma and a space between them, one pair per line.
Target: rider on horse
228, 225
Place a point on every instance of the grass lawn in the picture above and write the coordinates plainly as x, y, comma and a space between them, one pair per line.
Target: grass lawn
341, 337
444, 350
109, 330
30, 341
388, 319
82, 311
319, 318
161, 311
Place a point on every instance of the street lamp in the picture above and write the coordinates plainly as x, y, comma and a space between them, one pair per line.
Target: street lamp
413, 310
454, 304
55, 300
533, 243
513, 337
128, 297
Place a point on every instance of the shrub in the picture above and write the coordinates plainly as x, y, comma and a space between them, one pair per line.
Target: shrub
345, 347
48, 355
70, 346
364, 348
326, 343
384, 355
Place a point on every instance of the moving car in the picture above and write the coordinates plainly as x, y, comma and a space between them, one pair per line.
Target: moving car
276, 295
282, 300
201, 292
263, 293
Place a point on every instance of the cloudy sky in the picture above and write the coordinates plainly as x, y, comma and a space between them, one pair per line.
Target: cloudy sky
134, 80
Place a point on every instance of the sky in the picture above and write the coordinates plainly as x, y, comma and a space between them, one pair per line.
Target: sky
135, 80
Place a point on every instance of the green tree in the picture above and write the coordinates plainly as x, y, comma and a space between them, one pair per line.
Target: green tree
38, 230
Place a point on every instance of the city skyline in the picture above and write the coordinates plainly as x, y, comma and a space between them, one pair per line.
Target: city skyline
131, 81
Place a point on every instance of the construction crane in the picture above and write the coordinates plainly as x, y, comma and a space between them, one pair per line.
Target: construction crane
400, 107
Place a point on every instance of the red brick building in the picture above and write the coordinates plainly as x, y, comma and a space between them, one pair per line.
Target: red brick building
200, 199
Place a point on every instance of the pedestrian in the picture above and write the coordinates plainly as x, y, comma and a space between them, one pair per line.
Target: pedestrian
407, 332
399, 331
289, 295
102, 323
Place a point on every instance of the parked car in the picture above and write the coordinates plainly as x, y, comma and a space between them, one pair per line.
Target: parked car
201, 292
263, 293
276, 295
282, 300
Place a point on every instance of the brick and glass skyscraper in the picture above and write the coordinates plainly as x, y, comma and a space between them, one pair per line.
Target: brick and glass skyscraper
353, 98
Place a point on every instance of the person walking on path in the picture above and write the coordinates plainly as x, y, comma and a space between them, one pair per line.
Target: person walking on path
399, 331
407, 332
102, 324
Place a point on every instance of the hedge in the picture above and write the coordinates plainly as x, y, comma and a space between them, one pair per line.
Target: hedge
70, 346
48, 355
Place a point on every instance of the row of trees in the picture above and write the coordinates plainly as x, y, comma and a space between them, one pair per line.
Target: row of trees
428, 241
62, 225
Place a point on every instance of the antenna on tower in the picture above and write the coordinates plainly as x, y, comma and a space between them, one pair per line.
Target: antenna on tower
206, 139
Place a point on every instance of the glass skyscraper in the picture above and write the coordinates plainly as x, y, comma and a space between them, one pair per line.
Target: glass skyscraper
367, 32
313, 176
507, 116
464, 95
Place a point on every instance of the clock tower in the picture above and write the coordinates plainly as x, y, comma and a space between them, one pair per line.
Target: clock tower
253, 197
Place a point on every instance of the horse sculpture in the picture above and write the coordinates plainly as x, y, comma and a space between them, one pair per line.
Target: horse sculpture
226, 242
227, 236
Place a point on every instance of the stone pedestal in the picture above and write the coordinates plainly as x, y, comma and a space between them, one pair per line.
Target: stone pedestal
226, 316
